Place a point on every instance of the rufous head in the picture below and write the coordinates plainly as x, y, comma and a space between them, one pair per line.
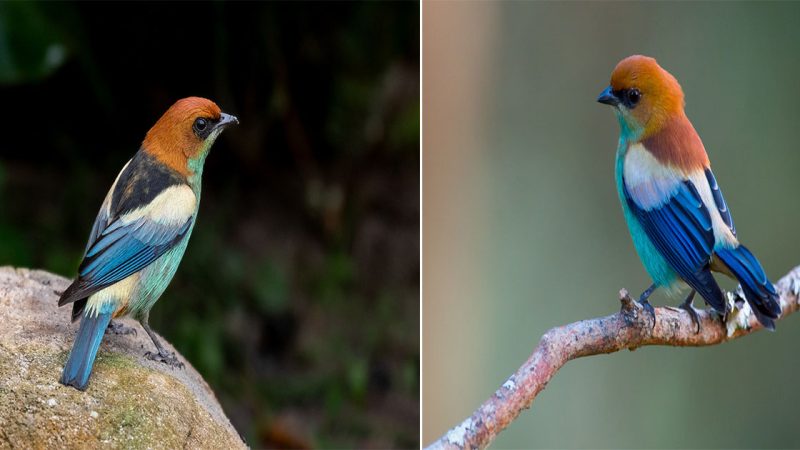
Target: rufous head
183, 135
644, 94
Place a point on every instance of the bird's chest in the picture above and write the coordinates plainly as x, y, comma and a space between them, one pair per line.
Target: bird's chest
626, 168
154, 279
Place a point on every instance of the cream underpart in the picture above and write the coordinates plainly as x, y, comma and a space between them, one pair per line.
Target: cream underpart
173, 207
651, 183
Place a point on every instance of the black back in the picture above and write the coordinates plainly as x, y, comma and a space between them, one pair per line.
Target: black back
140, 182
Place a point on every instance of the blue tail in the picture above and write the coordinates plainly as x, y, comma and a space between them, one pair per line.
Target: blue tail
84, 350
758, 291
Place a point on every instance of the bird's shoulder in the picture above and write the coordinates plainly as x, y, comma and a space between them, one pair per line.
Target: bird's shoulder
650, 185
145, 182
144, 188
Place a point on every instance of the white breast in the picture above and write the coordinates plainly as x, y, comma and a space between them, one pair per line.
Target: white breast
650, 184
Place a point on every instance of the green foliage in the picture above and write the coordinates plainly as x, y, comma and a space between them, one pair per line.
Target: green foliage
357, 378
15, 247
30, 47
270, 288
331, 284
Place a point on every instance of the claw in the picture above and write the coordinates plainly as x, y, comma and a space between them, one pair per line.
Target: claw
118, 328
650, 310
167, 358
688, 307
695, 318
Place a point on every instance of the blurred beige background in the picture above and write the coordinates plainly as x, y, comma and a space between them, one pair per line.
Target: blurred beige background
523, 230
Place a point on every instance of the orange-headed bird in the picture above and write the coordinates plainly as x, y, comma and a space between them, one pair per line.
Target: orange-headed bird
677, 217
141, 231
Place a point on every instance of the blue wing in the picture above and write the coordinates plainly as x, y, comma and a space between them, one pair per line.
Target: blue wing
681, 230
120, 250
745, 267
719, 200
124, 249
100, 223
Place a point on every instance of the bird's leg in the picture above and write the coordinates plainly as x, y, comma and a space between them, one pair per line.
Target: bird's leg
687, 305
163, 355
646, 304
118, 328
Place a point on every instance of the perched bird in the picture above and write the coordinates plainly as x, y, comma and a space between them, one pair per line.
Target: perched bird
677, 217
141, 231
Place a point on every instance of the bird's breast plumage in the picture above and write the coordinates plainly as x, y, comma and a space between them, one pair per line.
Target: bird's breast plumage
657, 267
649, 182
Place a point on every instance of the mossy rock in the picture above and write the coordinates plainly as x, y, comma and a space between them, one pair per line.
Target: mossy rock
131, 402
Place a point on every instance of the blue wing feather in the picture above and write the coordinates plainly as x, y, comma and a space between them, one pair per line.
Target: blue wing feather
121, 250
743, 265
137, 245
681, 230
719, 200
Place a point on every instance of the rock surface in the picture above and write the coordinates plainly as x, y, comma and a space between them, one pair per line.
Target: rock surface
131, 402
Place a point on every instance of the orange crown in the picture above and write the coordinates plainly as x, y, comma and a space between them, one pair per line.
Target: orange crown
172, 140
662, 96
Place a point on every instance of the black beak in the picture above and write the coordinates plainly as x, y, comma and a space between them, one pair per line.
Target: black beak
608, 97
226, 119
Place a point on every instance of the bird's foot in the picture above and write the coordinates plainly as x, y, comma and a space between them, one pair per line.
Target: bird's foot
693, 313
118, 328
650, 310
165, 357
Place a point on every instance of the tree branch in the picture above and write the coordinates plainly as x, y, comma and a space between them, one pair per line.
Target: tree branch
631, 328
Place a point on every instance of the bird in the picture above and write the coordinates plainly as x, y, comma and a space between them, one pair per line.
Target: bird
141, 232
680, 224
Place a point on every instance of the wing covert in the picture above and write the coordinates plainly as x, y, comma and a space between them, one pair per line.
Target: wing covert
719, 200
127, 243
681, 230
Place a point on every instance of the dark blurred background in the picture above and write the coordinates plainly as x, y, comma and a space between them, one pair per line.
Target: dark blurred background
298, 298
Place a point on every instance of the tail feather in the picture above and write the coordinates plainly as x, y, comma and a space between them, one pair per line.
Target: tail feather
84, 350
77, 308
758, 290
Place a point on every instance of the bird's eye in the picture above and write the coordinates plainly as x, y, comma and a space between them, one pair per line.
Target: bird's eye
200, 125
633, 97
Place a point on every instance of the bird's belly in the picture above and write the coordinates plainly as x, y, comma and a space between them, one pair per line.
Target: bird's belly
657, 267
135, 296
153, 281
